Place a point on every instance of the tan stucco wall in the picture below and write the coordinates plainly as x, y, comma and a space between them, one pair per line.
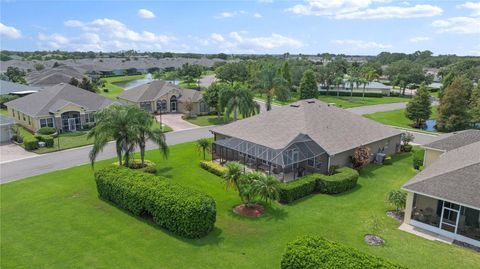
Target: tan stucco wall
408, 208
389, 145
69, 107
30, 123
431, 156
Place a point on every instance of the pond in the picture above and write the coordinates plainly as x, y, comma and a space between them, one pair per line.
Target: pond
127, 85
430, 125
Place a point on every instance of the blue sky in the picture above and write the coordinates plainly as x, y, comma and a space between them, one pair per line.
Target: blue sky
364, 27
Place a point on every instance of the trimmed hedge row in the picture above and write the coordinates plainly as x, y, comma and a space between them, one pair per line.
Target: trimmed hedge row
180, 210
317, 252
213, 168
47, 139
46, 130
30, 142
355, 94
344, 179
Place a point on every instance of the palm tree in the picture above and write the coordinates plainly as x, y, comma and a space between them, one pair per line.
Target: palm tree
144, 124
364, 82
338, 81
270, 81
203, 145
238, 99
267, 187
233, 174
113, 122
248, 187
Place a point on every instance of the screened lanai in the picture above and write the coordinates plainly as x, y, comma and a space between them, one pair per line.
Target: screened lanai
300, 157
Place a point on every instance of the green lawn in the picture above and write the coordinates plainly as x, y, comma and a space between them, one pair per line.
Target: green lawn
395, 117
188, 85
114, 90
56, 220
4, 112
67, 141
211, 120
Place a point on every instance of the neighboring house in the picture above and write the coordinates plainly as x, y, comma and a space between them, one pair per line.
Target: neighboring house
371, 87
54, 76
160, 96
435, 149
7, 87
63, 106
306, 136
435, 85
444, 198
6, 124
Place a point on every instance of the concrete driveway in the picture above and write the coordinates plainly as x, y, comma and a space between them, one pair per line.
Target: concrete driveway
11, 152
176, 122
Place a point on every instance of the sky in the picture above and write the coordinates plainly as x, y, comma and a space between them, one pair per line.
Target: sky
354, 27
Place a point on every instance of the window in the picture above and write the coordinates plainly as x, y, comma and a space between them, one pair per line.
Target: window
203, 107
146, 106
23, 116
90, 118
46, 122
13, 113
29, 121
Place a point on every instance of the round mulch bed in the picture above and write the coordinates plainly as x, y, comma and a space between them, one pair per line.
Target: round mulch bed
396, 215
374, 240
254, 210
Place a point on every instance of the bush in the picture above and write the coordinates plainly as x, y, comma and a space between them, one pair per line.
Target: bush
294, 190
418, 158
213, 168
49, 142
180, 210
344, 179
406, 148
397, 198
30, 142
46, 130
316, 252
388, 160
149, 166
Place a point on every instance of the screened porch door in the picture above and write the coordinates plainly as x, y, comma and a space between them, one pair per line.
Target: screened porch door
450, 217
72, 126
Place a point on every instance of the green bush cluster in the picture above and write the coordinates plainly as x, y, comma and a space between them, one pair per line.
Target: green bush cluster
180, 210
148, 167
317, 252
30, 142
213, 168
46, 130
49, 142
355, 94
406, 148
342, 180
388, 160
418, 158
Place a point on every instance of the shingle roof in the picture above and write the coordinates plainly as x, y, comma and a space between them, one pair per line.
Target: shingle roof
455, 140
455, 176
155, 89
7, 87
49, 100
334, 129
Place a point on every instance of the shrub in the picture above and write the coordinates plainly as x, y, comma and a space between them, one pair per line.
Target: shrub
406, 148
388, 160
344, 179
294, 190
418, 158
180, 210
397, 198
316, 252
213, 168
46, 130
30, 142
149, 166
49, 142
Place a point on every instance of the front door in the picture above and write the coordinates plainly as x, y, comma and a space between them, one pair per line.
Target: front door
72, 126
173, 106
450, 216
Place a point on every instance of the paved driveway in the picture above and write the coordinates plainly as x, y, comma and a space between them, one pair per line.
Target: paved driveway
10, 152
176, 122
362, 110
206, 81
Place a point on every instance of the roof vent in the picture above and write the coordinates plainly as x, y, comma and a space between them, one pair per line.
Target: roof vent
295, 105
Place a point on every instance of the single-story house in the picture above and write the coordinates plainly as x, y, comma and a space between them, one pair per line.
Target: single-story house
444, 198
6, 124
371, 87
63, 106
308, 136
8, 87
452, 141
160, 96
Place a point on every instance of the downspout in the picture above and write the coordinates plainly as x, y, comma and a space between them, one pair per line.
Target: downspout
328, 164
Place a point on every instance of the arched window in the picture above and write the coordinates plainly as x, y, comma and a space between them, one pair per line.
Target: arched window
173, 103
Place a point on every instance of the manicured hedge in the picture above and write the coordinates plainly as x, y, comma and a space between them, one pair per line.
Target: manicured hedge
317, 252
344, 179
355, 94
46, 130
180, 210
30, 142
49, 142
294, 190
418, 158
213, 168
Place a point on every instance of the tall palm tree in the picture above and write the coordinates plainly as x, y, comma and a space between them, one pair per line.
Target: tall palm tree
364, 82
270, 81
238, 100
203, 145
338, 81
233, 174
143, 123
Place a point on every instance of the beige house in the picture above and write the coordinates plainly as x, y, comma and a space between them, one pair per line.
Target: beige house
444, 198
63, 106
305, 137
160, 96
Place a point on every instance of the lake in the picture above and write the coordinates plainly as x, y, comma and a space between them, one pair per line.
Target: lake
127, 85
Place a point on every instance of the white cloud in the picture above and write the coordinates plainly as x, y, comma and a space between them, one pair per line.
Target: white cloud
145, 14
9, 31
217, 37
265, 1
418, 39
458, 25
257, 15
359, 9
231, 14
360, 44
226, 14
475, 7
